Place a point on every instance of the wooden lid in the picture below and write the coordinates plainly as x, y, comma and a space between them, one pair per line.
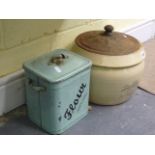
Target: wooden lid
108, 42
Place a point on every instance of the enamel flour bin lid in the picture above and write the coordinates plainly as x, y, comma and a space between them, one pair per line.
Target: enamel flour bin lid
57, 89
118, 62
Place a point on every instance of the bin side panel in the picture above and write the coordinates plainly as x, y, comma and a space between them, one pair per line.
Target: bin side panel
64, 103
32, 99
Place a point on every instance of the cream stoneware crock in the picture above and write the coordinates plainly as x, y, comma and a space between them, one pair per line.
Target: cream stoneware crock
118, 64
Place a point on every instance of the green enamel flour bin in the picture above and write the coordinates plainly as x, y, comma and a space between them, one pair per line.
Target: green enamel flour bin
57, 89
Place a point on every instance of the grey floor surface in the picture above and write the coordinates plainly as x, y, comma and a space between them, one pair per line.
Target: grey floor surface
135, 117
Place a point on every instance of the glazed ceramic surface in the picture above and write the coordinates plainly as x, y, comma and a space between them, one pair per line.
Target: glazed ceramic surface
114, 76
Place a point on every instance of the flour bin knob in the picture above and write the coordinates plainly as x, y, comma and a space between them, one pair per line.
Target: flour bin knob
58, 59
